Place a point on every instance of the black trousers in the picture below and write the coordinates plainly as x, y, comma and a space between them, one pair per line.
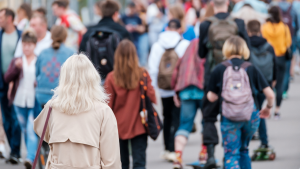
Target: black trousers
281, 66
138, 148
171, 122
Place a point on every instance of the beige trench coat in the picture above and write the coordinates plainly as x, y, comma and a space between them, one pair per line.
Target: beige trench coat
88, 140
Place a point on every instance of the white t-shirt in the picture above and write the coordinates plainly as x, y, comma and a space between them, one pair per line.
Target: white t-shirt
40, 46
25, 96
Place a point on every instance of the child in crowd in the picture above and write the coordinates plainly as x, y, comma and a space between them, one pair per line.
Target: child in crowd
235, 80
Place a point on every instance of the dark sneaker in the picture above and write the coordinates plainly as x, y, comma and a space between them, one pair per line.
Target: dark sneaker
13, 159
277, 116
263, 146
28, 164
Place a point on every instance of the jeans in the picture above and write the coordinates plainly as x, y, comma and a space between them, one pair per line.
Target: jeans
236, 138
171, 115
280, 62
287, 75
262, 130
10, 124
188, 112
26, 118
138, 147
143, 49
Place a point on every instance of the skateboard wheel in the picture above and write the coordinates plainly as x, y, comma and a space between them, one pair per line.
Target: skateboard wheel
272, 156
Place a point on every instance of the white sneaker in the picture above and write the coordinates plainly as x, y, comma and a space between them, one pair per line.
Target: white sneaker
2, 151
172, 157
164, 155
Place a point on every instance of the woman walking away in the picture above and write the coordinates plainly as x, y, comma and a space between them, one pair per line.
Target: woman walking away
23, 16
123, 86
82, 130
279, 36
21, 73
48, 64
234, 79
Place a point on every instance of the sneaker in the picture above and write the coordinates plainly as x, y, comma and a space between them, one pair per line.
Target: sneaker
172, 157
203, 155
2, 151
263, 146
13, 159
177, 164
164, 155
277, 116
284, 96
28, 164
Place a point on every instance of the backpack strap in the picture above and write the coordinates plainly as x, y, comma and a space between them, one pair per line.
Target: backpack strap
245, 65
227, 63
212, 19
174, 46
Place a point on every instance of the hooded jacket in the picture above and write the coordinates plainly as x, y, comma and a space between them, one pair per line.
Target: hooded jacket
278, 35
166, 40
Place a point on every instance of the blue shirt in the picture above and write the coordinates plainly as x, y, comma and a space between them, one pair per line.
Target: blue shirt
189, 33
191, 93
48, 66
134, 20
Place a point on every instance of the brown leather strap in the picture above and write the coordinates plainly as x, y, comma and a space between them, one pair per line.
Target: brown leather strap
42, 139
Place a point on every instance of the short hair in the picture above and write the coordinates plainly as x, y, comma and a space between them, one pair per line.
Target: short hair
8, 12
41, 10
109, 8
253, 26
27, 9
219, 3
235, 45
29, 36
61, 3
174, 24
42, 17
58, 35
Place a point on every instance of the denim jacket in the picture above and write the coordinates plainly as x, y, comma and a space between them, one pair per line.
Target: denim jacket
47, 71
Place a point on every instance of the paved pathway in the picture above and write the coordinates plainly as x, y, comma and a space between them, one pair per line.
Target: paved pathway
284, 135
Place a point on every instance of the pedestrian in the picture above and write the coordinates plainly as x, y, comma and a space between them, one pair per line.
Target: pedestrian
97, 13
214, 31
176, 12
48, 65
133, 23
9, 36
39, 24
123, 86
82, 130
188, 83
279, 36
264, 58
40, 11
247, 13
171, 42
257, 5
71, 21
21, 72
23, 16
156, 19
240, 116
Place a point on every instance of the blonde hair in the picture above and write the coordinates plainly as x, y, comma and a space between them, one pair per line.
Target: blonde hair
79, 86
235, 45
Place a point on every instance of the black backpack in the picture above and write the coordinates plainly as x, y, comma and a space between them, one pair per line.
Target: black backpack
101, 46
263, 60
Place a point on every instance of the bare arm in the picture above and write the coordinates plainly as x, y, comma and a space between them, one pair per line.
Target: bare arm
265, 112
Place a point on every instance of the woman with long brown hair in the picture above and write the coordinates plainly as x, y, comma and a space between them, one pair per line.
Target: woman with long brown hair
123, 87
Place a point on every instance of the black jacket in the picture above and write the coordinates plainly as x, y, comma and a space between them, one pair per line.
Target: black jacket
106, 22
204, 27
257, 42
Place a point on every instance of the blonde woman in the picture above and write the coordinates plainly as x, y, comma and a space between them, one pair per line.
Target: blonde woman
82, 131
237, 134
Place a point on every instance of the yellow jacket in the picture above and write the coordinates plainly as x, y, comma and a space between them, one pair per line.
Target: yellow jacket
278, 35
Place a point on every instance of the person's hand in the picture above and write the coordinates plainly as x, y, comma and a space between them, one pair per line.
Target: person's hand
19, 63
265, 113
176, 100
274, 83
10, 87
129, 28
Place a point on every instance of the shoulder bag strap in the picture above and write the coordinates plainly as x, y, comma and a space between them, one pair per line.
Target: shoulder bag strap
42, 138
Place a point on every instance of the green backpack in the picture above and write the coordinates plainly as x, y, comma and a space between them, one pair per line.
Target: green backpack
219, 31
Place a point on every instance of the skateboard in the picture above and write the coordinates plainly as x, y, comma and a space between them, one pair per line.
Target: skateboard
263, 154
197, 165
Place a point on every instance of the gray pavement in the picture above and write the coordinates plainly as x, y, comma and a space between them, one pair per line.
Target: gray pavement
284, 136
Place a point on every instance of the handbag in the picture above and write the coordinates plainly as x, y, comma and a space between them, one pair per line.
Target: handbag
42, 139
149, 116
